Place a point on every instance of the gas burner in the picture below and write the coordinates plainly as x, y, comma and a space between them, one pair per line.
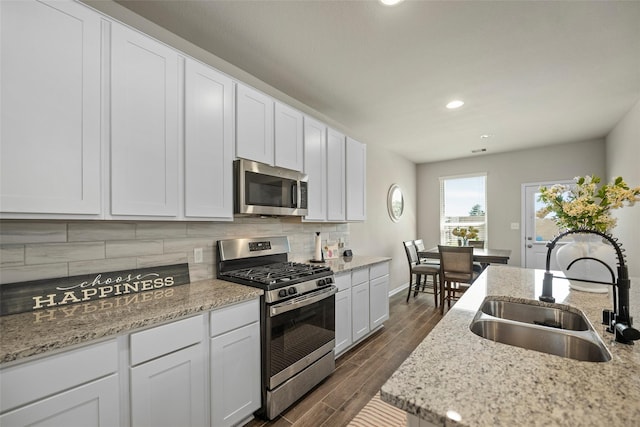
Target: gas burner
278, 273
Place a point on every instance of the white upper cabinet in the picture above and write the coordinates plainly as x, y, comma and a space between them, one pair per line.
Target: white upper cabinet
315, 166
288, 138
208, 145
254, 125
336, 152
49, 108
356, 180
144, 125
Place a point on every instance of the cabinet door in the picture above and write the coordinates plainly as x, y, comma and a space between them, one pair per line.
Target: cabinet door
315, 166
356, 180
93, 404
144, 125
343, 320
336, 209
49, 108
170, 390
360, 310
379, 301
288, 138
254, 125
235, 375
208, 143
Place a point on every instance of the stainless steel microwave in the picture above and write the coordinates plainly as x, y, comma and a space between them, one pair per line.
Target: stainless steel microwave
261, 189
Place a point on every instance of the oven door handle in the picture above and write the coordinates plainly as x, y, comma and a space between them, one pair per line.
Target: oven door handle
302, 301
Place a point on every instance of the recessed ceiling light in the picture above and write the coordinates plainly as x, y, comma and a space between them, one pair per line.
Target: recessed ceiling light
390, 2
455, 104
485, 136
479, 150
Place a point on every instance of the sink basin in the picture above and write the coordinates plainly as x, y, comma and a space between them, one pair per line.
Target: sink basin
516, 323
555, 317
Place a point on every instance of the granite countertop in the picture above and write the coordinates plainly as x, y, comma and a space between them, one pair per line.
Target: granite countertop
341, 264
36, 332
455, 377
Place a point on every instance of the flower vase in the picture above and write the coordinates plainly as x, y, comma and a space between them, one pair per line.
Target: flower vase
591, 246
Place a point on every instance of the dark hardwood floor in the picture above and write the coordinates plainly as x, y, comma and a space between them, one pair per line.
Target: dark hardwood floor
364, 369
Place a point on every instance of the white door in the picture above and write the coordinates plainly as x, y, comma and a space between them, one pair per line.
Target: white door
336, 155
235, 375
254, 125
356, 180
208, 146
360, 310
288, 139
315, 166
536, 232
49, 108
170, 390
144, 125
93, 404
343, 320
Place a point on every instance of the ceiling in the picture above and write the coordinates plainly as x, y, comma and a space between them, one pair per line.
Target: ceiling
530, 73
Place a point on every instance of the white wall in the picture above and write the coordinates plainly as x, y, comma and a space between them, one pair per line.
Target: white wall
378, 235
506, 172
623, 159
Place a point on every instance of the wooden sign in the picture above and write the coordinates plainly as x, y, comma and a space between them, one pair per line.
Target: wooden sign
48, 293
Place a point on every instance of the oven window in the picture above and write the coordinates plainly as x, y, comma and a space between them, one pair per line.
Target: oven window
267, 190
298, 333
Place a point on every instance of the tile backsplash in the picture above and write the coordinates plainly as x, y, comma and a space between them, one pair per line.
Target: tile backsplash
34, 249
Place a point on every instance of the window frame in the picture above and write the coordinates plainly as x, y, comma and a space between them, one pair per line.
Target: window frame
445, 226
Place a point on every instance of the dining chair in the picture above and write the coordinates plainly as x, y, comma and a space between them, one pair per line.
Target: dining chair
476, 243
456, 272
419, 244
477, 267
419, 270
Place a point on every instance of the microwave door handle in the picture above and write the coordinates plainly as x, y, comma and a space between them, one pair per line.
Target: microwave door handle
294, 194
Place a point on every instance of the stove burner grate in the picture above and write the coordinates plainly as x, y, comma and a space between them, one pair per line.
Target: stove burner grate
281, 272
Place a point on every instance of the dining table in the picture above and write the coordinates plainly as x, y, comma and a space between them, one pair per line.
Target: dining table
483, 256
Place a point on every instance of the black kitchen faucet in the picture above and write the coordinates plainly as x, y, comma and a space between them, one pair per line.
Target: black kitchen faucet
618, 320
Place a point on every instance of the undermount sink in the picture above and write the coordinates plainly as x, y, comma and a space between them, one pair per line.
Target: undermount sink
548, 329
556, 317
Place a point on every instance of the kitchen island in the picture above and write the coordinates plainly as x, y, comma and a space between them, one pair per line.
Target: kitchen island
455, 377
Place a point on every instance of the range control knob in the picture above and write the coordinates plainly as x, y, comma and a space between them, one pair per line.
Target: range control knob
329, 280
292, 290
321, 282
282, 293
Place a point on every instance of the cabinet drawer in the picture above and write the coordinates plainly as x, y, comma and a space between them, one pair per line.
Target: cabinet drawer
343, 281
155, 342
359, 276
31, 381
379, 270
232, 317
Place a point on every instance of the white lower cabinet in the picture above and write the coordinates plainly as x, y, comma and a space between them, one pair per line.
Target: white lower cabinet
93, 404
169, 375
343, 312
169, 391
378, 294
168, 385
75, 388
235, 363
360, 303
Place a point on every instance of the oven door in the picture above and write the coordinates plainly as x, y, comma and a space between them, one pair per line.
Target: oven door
298, 333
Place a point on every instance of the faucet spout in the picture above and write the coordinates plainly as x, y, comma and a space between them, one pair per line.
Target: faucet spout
619, 320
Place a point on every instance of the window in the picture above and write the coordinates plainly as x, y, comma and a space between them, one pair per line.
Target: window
463, 201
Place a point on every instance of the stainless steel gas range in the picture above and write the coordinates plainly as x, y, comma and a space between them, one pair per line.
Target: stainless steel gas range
297, 316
